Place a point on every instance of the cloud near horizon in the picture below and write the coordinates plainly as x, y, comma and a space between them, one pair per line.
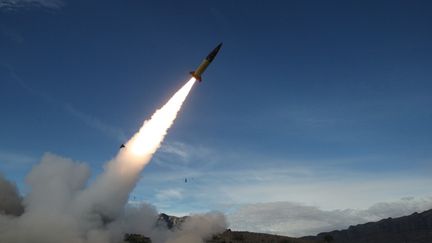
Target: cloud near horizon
296, 219
294, 199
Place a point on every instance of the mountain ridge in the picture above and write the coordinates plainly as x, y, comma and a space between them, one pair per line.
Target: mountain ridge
414, 228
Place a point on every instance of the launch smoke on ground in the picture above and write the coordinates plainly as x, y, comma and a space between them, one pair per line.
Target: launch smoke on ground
10, 200
61, 207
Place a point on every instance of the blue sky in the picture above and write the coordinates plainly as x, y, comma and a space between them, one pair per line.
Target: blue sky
324, 104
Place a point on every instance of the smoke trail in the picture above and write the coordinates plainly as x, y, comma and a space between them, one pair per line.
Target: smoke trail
60, 208
110, 191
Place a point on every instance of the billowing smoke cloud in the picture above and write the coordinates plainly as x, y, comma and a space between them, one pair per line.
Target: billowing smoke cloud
61, 207
10, 200
199, 227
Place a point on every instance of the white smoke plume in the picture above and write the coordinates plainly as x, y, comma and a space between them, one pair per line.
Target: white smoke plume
199, 227
61, 207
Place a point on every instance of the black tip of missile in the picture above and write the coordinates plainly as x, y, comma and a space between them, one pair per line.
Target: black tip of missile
218, 47
213, 53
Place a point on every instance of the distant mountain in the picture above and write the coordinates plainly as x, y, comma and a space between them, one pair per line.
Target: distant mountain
415, 228
171, 222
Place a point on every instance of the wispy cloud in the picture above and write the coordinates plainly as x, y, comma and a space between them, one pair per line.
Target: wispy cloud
177, 149
16, 4
96, 123
14, 162
169, 194
176, 155
15, 158
87, 119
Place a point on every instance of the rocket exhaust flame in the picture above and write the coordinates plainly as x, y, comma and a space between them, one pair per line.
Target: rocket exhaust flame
151, 134
122, 173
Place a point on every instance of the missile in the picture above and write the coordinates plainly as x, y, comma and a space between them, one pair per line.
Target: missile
204, 64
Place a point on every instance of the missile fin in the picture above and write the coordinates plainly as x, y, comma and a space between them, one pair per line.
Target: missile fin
197, 77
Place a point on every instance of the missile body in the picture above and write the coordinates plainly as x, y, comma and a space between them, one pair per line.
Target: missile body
204, 64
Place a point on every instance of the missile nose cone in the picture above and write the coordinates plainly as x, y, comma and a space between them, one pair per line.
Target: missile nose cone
219, 46
213, 53
216, 50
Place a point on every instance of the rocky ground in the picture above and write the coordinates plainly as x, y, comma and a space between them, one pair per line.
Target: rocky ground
242, 236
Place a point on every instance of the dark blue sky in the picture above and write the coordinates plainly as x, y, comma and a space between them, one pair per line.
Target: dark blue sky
325, 91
